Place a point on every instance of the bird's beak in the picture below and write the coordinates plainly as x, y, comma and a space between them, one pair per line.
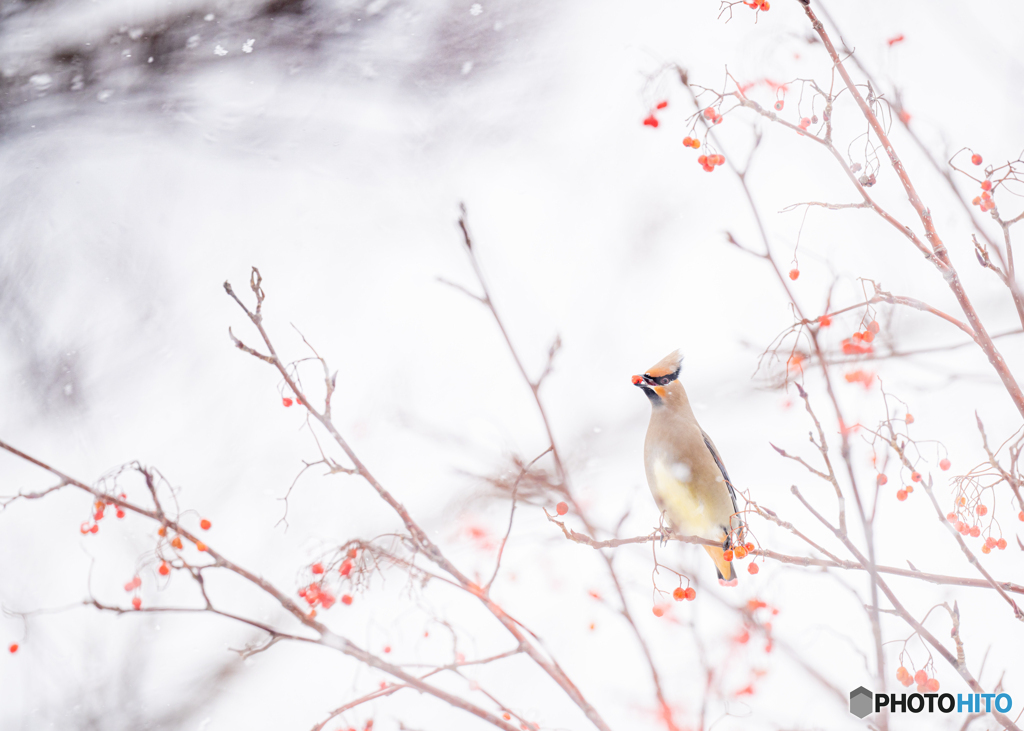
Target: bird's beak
637, 380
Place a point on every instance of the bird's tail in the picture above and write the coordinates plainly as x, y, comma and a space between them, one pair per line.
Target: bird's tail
726, 576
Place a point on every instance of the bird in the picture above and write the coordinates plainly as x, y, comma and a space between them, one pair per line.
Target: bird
684, 469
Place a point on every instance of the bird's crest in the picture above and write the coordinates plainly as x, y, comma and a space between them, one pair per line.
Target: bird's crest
667, 369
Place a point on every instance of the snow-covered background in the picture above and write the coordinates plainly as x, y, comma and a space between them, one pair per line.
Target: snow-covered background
151, 150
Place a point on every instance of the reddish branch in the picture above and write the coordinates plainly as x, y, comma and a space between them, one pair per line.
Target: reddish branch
419, 536
938, 248
325, 636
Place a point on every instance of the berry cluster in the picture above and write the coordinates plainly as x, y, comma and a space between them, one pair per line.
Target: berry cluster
99, 510
860, 342
860, 376
316, 593
131, 586
961, 520
651, 120
924, 683
984, 201
711, 114
759, 5
708, 162
691, 142
689, 594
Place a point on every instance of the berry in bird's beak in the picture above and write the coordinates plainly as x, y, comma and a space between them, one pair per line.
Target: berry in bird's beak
637, 380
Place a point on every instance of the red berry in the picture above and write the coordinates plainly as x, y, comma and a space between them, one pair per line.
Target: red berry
881, 479
661, 105
695, 143
794, 274
975, 531
986, 185
727, 555
703, 160
1020, 516
687, 141
659, 610
976, 158
346, 599
981, 510
986, 549
976, 200
200, 546
346, 568
164, 569
916, 476
932, 685
805, 122
752, 568
161, 531
286, 401
137, 603
951, 517
824, 321
317, 568
710, 113
352, 553
176, 542
119, 513
778, 105
1001, 544
690, 593
901, 495
95, 529
679, 594
920, 677
205, 524
651, 121
562, 508
13, 648
873, 327
944, 464
901, 673
740, 552
749, 547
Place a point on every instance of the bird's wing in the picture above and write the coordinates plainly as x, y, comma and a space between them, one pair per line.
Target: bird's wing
721, 466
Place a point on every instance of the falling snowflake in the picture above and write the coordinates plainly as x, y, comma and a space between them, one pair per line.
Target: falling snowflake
220, 50
475, 9
209, 17
247, 46
467, 67
193, 41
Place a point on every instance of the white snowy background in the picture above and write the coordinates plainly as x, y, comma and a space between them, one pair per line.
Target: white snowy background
332, 151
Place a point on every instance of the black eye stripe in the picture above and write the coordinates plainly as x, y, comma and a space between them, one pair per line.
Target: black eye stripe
662, 380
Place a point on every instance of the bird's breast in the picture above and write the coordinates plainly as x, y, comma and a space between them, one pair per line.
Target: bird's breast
678, 497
